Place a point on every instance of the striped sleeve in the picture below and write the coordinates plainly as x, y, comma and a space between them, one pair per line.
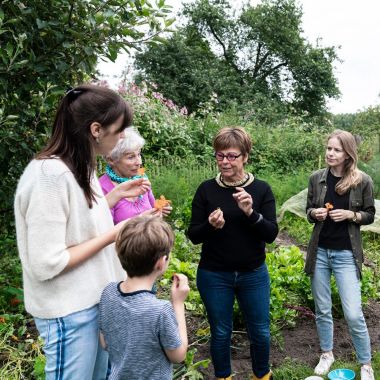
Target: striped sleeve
168, 328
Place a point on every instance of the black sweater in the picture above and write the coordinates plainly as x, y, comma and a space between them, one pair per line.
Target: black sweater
240, 244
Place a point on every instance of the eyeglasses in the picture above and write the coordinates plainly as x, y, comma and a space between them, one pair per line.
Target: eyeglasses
230, 156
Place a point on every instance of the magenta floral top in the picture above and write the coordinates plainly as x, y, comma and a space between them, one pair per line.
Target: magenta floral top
125, 209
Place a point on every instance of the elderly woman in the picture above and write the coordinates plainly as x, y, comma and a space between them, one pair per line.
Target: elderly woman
124, 164
233, 216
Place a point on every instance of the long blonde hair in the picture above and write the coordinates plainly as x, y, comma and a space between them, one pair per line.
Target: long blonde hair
351, 174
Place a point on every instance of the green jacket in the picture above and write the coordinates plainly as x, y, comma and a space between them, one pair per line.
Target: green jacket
360, 200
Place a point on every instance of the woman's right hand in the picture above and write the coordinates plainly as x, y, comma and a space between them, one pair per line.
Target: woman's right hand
216, 219
127, 189
320, 214
133, 188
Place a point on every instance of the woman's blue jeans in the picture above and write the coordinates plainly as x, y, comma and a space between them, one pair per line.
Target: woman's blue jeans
252, 290
341, 263
72, 348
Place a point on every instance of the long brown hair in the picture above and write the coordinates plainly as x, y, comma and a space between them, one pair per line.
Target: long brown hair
71, 138
351, 174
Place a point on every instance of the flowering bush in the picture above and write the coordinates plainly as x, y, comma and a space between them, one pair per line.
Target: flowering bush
167, 128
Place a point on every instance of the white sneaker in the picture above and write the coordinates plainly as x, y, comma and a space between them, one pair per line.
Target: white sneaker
324, 364
366, 373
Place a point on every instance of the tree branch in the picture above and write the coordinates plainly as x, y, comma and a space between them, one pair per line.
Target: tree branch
257, 66
260, 64
225, 52
71, 12
272, 70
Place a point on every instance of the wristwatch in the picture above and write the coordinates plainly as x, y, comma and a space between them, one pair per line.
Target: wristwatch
354, 218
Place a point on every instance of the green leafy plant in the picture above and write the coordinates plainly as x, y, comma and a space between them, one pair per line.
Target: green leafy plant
290, 287
190, 369
19, 350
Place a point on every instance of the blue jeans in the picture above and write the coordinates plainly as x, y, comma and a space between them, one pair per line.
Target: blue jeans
342, 264
72, 348
252, 290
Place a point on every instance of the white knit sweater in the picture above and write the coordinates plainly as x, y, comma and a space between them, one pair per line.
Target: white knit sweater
52, 214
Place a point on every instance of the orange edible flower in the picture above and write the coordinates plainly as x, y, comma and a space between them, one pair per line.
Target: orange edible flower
141, 171
2, 320
159, 204
329, 206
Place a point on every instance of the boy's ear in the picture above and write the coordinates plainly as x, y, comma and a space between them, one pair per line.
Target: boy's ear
161, 263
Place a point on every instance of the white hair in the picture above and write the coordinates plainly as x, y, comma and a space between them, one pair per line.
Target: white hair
132, 140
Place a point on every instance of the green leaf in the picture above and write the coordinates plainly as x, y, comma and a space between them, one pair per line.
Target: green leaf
160, 39
39, 368
112, 53
41, 24
21, 63
169, 22
89, 50
9, 49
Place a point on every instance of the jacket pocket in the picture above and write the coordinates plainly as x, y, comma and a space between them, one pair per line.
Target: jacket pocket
356, 204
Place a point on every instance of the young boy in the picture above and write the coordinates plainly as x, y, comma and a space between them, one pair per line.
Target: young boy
144, 335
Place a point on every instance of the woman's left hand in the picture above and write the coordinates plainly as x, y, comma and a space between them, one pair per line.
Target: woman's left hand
339, 215
244, 200
166, 210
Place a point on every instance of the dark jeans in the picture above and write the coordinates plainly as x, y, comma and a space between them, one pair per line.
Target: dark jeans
252, 290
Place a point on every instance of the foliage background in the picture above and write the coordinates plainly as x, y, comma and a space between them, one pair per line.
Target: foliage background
49, 45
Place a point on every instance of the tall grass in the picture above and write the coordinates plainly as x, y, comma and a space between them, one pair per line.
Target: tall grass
285, 186
178, 179
372, 168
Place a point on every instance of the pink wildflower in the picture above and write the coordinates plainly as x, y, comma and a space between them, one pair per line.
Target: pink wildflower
122, 90
184, 111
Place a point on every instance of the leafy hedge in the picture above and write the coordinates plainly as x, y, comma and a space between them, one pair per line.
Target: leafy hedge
46, 46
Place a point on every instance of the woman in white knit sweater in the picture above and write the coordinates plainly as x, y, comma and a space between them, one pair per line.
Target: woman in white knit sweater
65, 232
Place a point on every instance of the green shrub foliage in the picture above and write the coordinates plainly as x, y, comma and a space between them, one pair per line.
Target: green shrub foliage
46, 46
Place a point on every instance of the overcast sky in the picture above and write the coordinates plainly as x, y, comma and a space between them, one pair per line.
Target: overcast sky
350, 24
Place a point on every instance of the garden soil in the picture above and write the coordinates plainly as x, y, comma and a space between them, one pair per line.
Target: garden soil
299, 343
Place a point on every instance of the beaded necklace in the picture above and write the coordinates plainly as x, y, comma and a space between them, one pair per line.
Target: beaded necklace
115, 178
247, 180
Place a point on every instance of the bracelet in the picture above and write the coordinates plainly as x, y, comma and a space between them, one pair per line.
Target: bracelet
354, 218
260, 219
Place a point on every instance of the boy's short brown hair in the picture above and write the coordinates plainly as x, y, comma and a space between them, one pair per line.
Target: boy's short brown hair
141, 242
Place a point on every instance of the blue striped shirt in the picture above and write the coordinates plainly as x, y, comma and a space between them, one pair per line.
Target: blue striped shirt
137, 327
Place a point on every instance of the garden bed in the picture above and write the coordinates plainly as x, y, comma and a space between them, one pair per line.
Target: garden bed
299, 343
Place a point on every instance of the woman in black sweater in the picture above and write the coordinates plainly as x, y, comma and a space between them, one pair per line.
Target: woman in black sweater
233, 216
